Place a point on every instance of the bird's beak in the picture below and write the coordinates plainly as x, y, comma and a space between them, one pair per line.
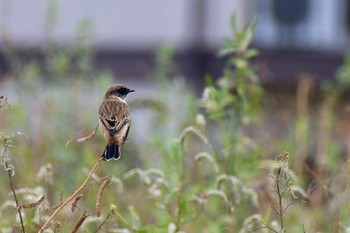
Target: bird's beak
131, 91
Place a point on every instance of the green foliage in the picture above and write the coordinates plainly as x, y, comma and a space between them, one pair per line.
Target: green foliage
164, 64
341, 83
191, 184
236, 99
240, 84
195, 170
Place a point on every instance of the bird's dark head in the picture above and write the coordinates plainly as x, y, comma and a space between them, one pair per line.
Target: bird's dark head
118, 91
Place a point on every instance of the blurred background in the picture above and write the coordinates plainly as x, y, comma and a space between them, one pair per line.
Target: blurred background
306, 36
224, 89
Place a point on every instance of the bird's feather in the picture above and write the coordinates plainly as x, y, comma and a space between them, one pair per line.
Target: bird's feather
114, 121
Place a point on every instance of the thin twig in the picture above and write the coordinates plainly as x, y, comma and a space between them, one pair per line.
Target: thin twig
112, 211
61, 198
75, 136
290, 204
33, 204
275, 211
103, 222
75, 203
264, 226
284, 191
71, 197
99, 179
88, 137
280, 198
15, 196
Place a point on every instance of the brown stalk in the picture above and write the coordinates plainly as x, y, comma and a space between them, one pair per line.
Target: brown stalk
81, 220
75, 203
61, 198
57, 228
88, 137
83, 139
323, 143
305, 86
71, 197
99, 196
34, 204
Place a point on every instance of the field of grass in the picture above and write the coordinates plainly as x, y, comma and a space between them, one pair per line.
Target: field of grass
237, 159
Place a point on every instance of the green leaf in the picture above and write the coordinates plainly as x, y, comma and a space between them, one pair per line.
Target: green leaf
209, 80
226, 51
233, 22
245, 40
252, 23
252, 53
227, 43
240, 63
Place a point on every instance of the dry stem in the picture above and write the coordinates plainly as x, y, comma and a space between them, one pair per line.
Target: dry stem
34, 204
75, 203
89, 137
71, 197
81, 220
305, 86
15, 196
279, 193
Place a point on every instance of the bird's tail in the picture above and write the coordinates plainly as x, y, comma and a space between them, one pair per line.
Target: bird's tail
112, 151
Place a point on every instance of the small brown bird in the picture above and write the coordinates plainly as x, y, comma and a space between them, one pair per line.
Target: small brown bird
114, 120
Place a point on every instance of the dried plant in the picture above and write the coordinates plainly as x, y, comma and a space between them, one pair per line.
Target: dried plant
99, 196
75, 202
6, 143
193, 173
287, 194
33, 204
80, 221
71, 197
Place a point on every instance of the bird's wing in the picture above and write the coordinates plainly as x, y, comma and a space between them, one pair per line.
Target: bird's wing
125, 136
112, 113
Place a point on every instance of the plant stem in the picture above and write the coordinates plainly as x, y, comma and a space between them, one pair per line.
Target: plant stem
71, 197
179, 211
280, 199
103, 222
15, 196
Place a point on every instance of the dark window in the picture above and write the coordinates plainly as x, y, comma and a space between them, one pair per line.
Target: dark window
347, 15
290, 12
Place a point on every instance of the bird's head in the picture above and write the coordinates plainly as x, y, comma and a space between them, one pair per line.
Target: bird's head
118, 91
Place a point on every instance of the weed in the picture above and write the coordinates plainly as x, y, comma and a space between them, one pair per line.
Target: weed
197, 169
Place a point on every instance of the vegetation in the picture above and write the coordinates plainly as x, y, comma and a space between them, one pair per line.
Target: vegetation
207, 165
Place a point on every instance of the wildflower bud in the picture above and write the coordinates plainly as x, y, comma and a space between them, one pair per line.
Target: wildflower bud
201, 121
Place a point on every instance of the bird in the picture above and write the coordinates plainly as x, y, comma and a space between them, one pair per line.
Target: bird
114, 120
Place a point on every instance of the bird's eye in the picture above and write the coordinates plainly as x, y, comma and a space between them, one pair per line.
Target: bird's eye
123, 91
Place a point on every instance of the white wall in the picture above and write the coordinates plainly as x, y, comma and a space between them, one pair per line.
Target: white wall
323, 29
121, 24
145, 24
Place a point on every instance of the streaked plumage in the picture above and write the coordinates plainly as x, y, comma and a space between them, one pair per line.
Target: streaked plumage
114, 120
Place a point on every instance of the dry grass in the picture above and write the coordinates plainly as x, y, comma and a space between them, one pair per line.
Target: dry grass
191, 164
